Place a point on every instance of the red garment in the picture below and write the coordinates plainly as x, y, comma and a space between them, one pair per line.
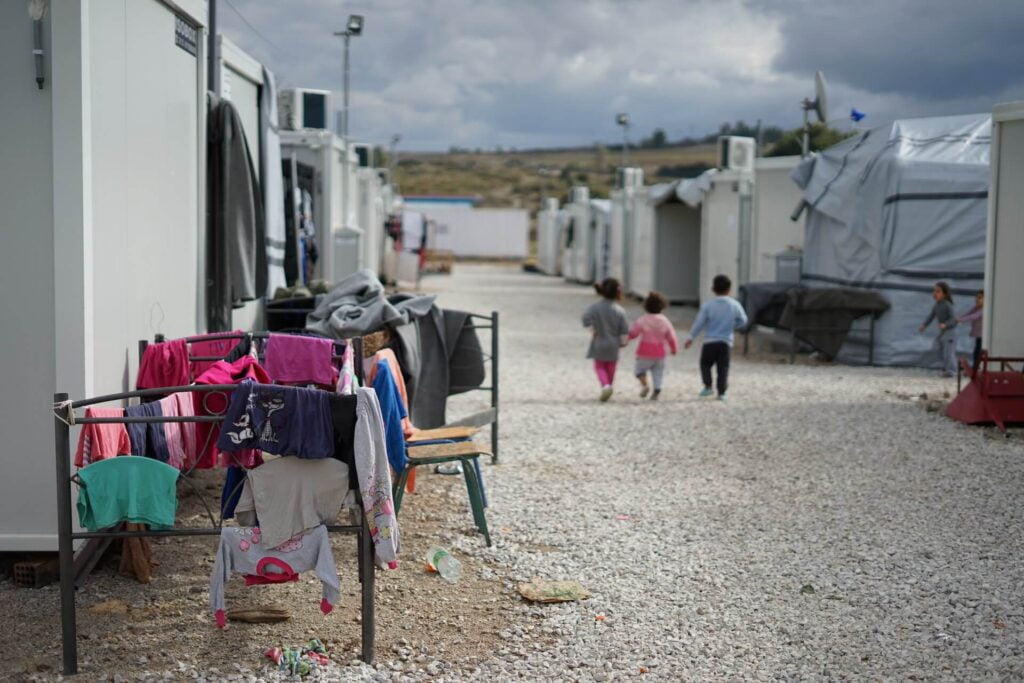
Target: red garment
216, 347
101, 441
216, 403
164, 364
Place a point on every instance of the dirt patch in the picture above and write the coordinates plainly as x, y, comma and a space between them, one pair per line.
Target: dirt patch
128, 628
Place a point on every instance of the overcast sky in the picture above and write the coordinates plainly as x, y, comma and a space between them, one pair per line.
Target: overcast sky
537, 73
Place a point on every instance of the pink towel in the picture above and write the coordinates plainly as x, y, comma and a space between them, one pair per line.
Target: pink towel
294, 359
216, 347
180, 436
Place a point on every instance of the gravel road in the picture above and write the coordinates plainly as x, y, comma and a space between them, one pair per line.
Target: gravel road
818, 525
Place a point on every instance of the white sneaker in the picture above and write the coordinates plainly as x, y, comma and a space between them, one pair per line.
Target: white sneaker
606, 394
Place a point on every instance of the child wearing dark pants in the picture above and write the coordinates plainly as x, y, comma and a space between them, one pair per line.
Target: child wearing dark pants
717, 319
715, 355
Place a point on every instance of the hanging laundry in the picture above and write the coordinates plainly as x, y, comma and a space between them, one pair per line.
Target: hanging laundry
279, 420
236, 244
216, 403
209, 348
234, 478
127, 489
164, 364
147, 438
343, 423
291, 495
180, 436
393, 412
347, 380
374, 476
101, 441
244, 550
296, 359
388, 356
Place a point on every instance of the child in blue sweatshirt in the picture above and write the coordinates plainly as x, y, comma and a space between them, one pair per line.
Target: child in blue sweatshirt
717, 318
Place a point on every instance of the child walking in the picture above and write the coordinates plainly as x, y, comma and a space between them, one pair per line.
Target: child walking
656, 333
974, 317
942, 314
717, 318
608, 325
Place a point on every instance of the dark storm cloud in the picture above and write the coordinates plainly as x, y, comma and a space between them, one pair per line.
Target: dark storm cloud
524, 73
925, 48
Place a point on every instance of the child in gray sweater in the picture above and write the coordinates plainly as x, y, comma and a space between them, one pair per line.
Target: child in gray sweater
942, 314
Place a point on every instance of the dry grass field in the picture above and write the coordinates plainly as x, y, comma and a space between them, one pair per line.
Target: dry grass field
522, 179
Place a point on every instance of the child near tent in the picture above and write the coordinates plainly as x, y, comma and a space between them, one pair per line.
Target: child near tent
717, 318
974, 317
656, 333
608, 326
942, 314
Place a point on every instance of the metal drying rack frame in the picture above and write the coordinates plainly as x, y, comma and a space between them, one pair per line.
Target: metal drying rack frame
490, 416
66, 535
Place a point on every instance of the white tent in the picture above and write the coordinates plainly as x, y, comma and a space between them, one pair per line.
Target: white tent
549, 238
896, 209
1004, 282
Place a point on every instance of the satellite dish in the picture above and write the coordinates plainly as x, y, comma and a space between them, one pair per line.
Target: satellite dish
820, 107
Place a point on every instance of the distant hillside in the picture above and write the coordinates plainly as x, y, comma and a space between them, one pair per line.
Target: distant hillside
522, 179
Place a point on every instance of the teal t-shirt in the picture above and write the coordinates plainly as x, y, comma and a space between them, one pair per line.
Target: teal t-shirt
127, 488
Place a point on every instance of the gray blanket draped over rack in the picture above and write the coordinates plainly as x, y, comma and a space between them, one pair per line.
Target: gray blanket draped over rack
357, 306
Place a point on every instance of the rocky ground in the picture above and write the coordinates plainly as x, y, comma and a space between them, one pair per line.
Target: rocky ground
821, 524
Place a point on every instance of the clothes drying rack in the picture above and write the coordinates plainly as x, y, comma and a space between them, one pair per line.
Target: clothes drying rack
489, 416
65, 417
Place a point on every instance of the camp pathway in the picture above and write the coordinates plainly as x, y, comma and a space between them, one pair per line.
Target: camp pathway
819, 523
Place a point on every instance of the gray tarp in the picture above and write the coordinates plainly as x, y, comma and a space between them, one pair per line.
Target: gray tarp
356, 306
896, 209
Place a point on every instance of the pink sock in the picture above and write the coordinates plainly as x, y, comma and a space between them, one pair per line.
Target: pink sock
221, 620
393, 564
325, 606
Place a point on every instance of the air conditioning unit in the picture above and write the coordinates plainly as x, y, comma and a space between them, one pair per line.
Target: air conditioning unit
551, 204
736, 153
300, 108
580, 194
629, 178
364, 153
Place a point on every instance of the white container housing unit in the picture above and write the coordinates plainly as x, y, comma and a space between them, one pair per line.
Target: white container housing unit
319, 164
665, 244
600, 219
774, 232
549, 238
582, 237
470, 232
102, 184
1004, 277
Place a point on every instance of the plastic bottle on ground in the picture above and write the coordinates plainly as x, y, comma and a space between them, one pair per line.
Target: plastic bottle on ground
447, 566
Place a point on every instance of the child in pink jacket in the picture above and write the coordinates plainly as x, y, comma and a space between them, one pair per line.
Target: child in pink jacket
656, 334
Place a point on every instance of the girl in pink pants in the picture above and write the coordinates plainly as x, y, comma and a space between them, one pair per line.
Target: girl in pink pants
609, 327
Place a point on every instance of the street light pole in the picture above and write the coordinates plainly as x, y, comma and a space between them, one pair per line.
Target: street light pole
623, 120
344, 96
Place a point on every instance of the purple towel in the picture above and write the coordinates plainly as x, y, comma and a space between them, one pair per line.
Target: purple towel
292, 359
